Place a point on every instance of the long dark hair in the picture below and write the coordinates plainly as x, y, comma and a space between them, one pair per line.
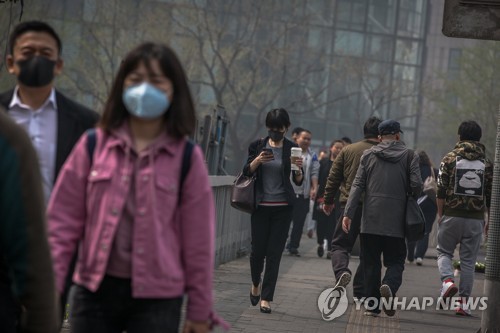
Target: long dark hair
180, 117
424, 158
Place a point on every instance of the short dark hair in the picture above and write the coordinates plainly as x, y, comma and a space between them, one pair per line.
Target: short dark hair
297, 130
469, 130
180, 116
370, 129
305, 130
277, 118
335, 141
346, 139
37, 26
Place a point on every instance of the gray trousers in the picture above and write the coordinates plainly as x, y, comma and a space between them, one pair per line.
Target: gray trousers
468, 233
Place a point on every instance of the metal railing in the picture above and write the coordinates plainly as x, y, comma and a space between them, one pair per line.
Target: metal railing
233, 227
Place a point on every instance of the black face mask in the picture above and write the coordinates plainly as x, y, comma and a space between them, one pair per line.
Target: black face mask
276, 136
36, 71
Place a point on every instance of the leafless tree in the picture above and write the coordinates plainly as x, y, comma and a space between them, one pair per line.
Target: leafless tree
469, 92
251, 56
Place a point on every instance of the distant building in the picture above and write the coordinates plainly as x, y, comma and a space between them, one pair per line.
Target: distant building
369, 54
443, 54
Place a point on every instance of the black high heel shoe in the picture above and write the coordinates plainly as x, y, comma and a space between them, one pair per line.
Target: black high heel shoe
265, 309
254, 299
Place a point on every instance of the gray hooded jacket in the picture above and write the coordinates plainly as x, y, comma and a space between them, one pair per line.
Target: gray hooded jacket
382, 175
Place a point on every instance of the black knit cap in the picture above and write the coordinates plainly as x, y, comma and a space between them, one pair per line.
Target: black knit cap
389, 127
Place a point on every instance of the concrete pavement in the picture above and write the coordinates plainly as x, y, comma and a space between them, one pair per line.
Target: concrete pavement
301, 281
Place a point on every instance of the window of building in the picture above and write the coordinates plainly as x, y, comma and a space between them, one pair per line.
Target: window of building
411, 21
349, 43
454, 56
320, 39
319, 12
351, 14
380, 47
381, 16
408, 51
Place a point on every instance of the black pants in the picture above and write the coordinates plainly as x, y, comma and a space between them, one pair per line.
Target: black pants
342, 245
269, 232
9, 311
429, 209
393, 250
111, 309
300, 210
325, 227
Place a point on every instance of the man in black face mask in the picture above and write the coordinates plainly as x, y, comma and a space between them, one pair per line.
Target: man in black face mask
54, 122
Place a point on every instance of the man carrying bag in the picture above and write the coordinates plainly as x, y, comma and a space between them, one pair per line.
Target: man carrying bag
382, 176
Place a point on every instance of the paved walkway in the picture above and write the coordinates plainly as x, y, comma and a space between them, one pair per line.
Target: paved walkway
302, 280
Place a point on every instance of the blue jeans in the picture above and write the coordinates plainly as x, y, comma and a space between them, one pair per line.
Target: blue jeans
111, 309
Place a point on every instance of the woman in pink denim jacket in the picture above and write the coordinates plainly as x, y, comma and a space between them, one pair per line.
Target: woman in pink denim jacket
144, 239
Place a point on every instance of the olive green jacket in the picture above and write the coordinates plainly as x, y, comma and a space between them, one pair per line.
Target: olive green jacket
344, 170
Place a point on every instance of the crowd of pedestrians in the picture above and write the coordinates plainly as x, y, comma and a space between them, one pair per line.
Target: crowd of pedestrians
97, 211
361, 189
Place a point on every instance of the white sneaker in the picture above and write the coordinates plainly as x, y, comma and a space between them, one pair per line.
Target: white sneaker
449, 289
419, 261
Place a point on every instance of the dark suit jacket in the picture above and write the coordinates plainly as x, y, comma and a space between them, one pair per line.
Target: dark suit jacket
254, 150
73, 120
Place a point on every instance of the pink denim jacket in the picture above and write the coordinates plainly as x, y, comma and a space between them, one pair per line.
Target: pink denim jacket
173, 243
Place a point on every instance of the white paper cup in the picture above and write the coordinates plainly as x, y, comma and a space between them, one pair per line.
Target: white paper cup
295, 154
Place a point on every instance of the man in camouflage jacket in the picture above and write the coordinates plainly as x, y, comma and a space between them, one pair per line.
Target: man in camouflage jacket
463, 198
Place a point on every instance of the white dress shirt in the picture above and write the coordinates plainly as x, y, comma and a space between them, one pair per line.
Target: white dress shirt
41, 125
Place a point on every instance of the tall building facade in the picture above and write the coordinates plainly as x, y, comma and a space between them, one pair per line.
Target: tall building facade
331, 63
443, 54
377, 60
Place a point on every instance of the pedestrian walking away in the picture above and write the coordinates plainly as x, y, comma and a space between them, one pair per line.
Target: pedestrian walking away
383, 177
340, 178
463, 198
270, 160
427, 203
127, 198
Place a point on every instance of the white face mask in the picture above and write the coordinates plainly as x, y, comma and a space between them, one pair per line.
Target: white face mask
145, 101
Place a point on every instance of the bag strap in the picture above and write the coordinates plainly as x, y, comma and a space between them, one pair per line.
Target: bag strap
91, 142
432, 173
186, 164
186, 160
408, 171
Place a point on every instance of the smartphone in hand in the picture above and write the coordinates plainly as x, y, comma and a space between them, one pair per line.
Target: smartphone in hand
268, 152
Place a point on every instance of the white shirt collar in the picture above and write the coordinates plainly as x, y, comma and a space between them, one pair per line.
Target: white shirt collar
16, 101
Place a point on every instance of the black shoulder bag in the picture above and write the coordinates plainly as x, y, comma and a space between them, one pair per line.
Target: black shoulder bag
415, 219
